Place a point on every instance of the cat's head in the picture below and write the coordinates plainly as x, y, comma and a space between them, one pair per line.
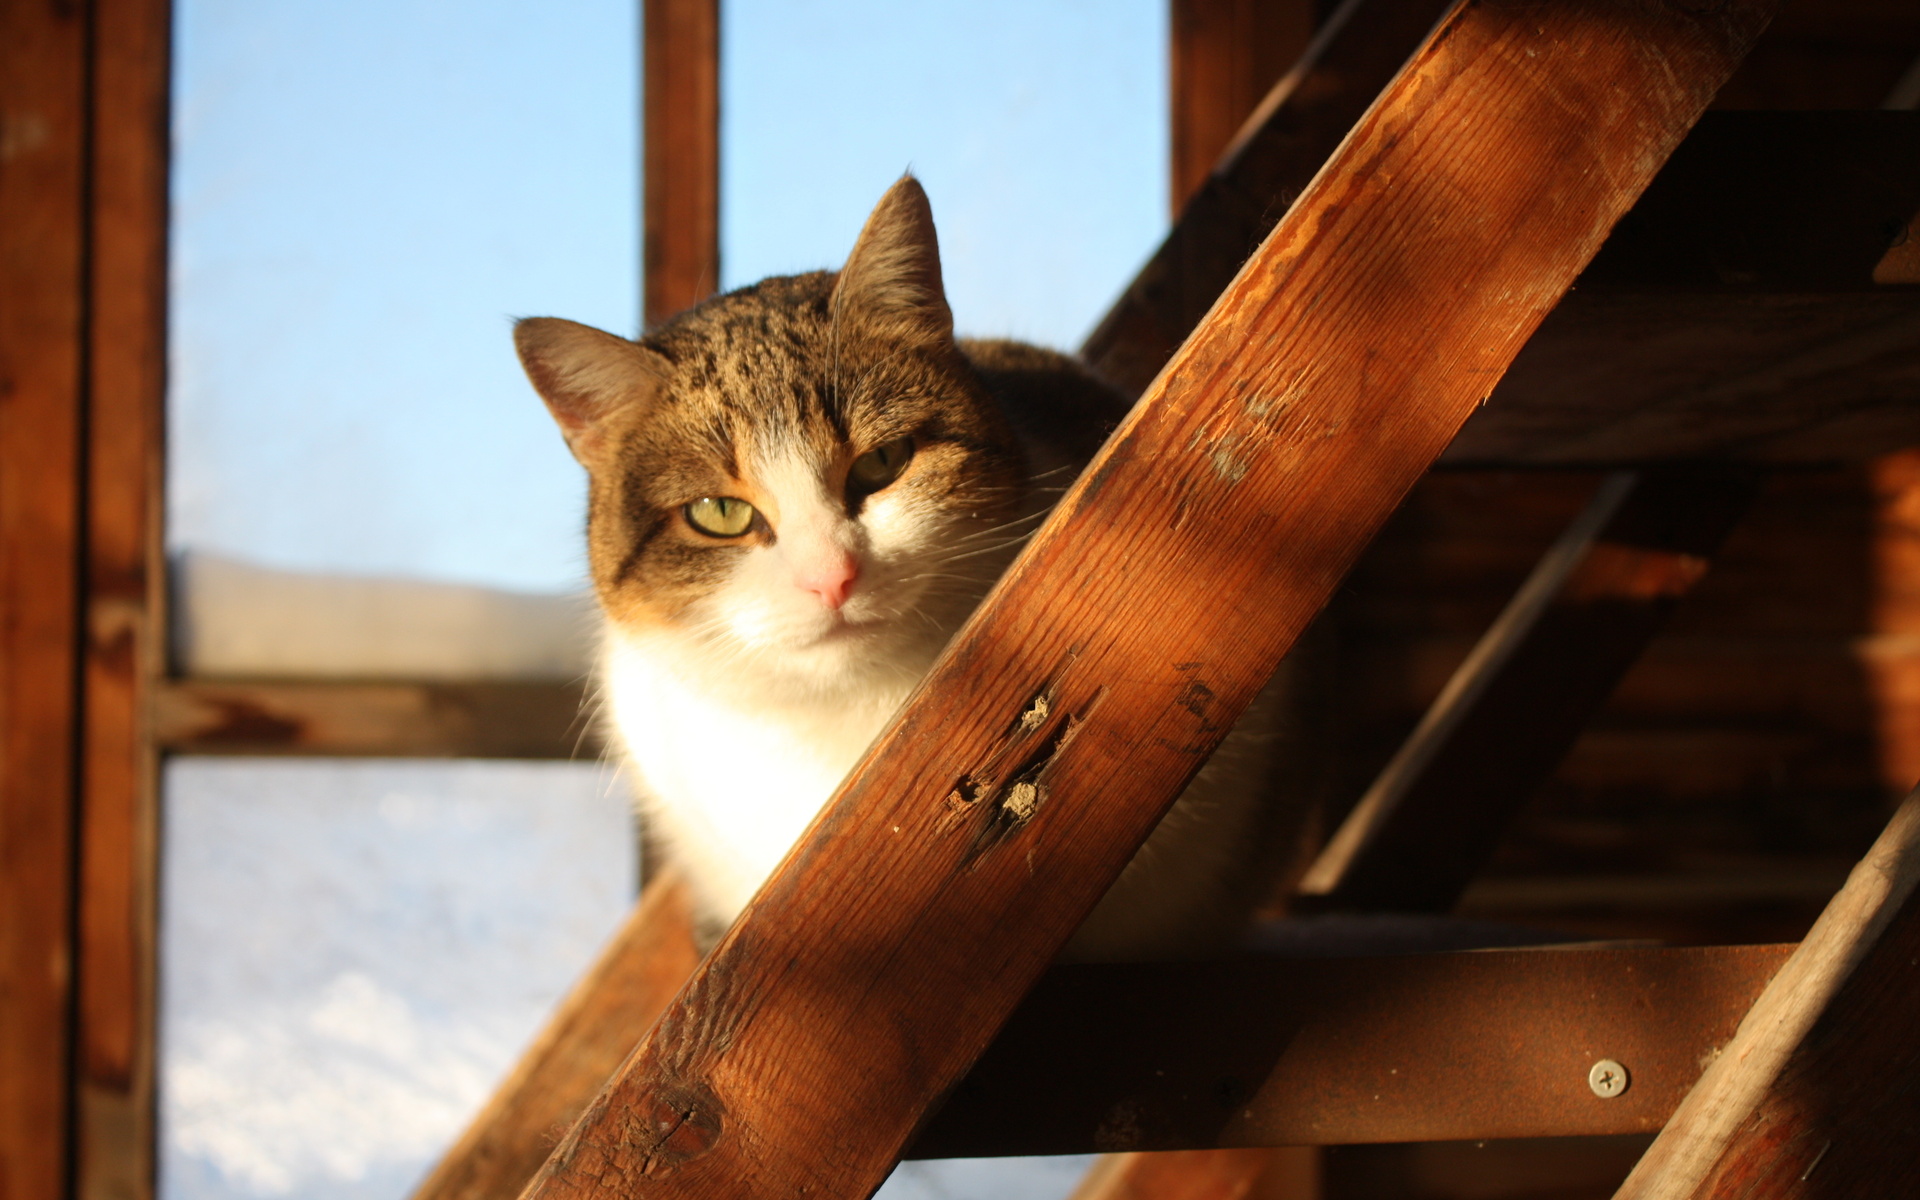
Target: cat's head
801, 482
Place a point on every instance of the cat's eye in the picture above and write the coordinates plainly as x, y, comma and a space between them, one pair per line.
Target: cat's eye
720, 516
881, 465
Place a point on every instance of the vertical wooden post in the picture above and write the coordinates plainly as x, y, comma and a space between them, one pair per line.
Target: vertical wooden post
122, 645
681, 168
1225, 55
43, 116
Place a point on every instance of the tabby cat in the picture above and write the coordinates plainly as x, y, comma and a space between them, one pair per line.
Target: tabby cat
798, 491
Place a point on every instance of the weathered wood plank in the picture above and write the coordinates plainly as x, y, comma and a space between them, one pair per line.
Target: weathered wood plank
1141, 619
123, 650
581, 1045
1225, 56
427, 720
43, 118
1815, 1095
681, 172
1510, 713
1409, 1048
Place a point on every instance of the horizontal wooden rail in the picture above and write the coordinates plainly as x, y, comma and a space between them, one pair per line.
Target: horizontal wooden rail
429, 720
1429, 1047
931, 892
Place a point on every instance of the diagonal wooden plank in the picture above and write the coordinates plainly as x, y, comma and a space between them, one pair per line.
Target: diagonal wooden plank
1515, 706
901, 931
1817, 1094
590, 1033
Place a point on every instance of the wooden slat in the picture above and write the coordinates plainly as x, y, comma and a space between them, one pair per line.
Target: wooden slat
680, 175
1410, 1048
1513, 709
126, 358
1295, 128
904, 927
43, 107
427, 720
1225, 56
1815, 1095
580, 1046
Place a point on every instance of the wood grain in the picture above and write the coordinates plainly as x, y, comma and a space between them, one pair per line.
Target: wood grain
1823, 1066
581, 1045
123, 644
1513, 709
43, 115
918, 908
680, 175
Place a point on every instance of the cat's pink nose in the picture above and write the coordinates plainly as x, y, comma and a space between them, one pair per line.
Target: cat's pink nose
831, 580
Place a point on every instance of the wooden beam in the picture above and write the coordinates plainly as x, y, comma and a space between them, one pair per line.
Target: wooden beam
681, 172
424, 720
123, 645
43, 119
1225, 56
1296, 126
1816, 1093
901, 931
1326, 1051
1749, 307
1511, 712
581, 1045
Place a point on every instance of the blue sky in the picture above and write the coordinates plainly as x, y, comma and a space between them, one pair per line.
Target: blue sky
365, 195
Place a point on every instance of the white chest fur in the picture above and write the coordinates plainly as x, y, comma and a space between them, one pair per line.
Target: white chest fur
727, 783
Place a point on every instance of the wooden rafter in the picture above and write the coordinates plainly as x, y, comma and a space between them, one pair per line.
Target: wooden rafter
918, 909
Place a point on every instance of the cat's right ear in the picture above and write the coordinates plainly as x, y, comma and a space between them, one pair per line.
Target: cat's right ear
585, 376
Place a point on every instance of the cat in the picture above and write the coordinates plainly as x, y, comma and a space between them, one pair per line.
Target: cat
797, 493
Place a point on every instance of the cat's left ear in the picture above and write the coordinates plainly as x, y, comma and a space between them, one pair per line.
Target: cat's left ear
585, 376
892, 278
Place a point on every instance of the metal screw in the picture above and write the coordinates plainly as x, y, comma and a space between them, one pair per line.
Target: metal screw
1607, 1079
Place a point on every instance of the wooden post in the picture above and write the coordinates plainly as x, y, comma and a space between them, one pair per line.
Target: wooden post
581, 1045
123, 645
43, 117
1226, 55
1513, 709
681, 169
1282, 1173
1816, 1094
929, 894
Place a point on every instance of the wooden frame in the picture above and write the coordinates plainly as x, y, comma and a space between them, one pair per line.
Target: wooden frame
914, 902
82, 247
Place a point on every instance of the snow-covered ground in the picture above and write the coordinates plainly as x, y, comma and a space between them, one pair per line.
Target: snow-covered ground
354, 951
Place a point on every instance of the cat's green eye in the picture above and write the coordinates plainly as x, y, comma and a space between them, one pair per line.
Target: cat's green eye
720, 516
881, 465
